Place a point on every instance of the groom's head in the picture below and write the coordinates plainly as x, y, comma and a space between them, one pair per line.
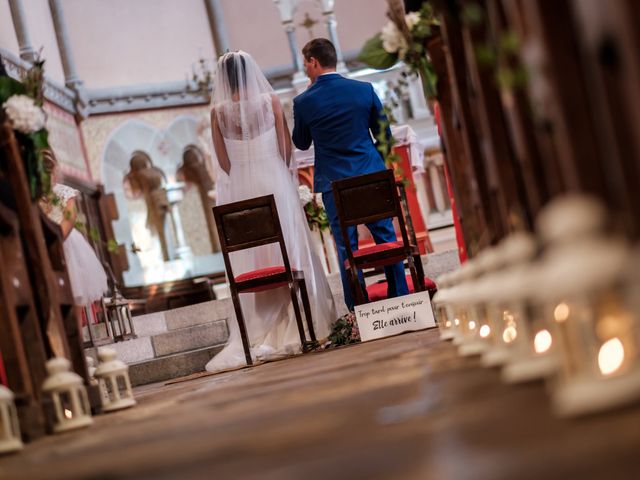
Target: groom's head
319, 57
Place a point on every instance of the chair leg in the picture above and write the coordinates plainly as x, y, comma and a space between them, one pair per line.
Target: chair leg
242, 327
296, 310
420, 273
307, 308
417, 287
358, 294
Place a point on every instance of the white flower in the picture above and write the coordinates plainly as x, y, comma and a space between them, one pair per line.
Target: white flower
393, 41
25, 115
319, 200
412, 19
305, 194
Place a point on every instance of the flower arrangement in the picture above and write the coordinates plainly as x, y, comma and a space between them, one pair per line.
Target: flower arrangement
403, 38
344, 331
313, 208
22, 104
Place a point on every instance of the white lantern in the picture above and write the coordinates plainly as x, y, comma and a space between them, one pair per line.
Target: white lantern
442, 309
9, 427
585, 277
113, 381
70, 402
531, 354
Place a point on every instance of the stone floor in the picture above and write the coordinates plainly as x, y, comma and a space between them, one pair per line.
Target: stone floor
401, 407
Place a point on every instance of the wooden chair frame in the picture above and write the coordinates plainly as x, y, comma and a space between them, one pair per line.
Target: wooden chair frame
260, 225
379, 199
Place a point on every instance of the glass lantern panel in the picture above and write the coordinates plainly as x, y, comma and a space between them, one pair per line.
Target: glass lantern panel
66, 405
615, 334
485, 331
540, 335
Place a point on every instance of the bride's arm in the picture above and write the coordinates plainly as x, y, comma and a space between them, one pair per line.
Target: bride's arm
282, 130
218, 143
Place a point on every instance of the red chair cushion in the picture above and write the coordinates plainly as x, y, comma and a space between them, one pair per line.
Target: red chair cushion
262, 273
380, 247
378, 291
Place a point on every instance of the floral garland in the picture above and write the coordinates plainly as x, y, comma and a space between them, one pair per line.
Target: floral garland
22, 104
313, 208
403, 38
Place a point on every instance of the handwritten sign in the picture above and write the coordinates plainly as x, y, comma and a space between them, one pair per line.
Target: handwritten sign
394, 315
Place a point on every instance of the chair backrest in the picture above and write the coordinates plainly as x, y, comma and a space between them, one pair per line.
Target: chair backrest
368, 198
248, 224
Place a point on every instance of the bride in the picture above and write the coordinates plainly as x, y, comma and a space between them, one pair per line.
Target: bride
253, 147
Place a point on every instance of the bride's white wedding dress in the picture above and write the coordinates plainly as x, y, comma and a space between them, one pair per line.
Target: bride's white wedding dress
257, 169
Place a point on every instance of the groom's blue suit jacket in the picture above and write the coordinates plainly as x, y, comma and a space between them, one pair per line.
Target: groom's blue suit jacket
336, 113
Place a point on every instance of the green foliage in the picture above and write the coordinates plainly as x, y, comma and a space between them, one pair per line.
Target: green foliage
316, 215
344, 331
10, 87
375, 56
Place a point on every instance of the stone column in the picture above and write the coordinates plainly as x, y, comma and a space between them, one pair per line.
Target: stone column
20, 25
332, 30
175, 196
287, 9
71, 78
218, 28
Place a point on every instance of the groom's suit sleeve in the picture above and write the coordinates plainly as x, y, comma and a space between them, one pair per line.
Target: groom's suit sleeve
301, 133
376, 115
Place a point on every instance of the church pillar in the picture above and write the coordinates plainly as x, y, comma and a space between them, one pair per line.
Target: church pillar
287, 9
22, 33
71, 78
218, 28
332, 30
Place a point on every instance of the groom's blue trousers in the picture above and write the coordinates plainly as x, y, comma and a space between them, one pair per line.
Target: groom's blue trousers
382, 232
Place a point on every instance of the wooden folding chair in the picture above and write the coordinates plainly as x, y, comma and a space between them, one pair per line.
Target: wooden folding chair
367, 199
249, 224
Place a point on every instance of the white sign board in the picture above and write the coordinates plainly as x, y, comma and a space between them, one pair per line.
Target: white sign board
394, 315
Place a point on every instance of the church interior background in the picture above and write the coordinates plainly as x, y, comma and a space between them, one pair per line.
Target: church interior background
118, 85
520, 184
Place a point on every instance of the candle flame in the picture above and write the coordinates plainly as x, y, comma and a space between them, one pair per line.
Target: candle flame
447, 324
611, 356
456, 322
561, 312
485, 331
472, 325
68, 413
542, 341
509, 334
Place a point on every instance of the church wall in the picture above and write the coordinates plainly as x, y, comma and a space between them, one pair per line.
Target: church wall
8, 39
358, 20
125, 42
97, 130
254, 26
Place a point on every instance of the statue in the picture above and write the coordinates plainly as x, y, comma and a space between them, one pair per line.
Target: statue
194, 171
145, 180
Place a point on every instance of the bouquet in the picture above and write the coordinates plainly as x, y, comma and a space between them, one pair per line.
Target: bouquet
313, 208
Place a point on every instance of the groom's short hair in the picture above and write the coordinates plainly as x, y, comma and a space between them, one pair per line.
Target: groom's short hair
322, 50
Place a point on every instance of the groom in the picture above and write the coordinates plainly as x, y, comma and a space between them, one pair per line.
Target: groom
338, 114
